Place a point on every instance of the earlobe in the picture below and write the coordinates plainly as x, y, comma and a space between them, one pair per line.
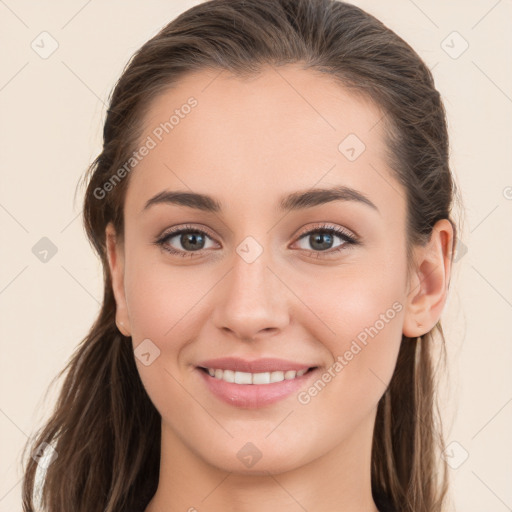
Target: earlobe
115, 255
429, 283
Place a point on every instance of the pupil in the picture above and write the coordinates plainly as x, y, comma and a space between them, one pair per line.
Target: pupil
190, 241
317, 238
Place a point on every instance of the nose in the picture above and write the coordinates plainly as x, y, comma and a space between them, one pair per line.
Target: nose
252, 300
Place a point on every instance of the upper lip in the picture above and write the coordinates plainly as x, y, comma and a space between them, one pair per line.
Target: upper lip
262, 365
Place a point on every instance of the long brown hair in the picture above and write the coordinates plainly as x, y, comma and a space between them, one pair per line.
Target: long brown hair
104, 429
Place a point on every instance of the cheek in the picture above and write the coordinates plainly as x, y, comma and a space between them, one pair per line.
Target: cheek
361, 315
161, 300
162, 306
367, 322
348, 299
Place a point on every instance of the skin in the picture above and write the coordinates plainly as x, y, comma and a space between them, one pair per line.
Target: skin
248, 142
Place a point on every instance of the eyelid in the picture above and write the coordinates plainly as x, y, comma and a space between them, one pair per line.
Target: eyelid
186, 227
327, 226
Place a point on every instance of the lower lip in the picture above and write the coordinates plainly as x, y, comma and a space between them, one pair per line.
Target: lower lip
253, 396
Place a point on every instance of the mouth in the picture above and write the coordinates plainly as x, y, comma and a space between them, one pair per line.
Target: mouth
247, 390
249, 378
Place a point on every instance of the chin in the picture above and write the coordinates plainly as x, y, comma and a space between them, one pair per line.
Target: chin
250, 460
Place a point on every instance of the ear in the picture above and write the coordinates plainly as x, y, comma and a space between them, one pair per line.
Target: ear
428, 286
115, 254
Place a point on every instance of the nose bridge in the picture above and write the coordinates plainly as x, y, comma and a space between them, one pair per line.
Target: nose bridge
252, 298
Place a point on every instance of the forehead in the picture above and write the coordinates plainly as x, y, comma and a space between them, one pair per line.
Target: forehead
249, 139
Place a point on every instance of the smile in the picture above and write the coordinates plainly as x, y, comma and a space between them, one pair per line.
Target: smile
246, 378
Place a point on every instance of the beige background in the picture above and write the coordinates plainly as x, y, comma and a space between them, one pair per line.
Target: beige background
51, 123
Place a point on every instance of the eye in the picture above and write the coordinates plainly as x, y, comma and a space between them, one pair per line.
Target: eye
189, 238
322, 237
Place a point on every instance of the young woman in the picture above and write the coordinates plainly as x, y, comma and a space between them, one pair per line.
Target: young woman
272, 208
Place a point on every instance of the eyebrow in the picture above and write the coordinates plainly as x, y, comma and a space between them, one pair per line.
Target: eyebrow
295, 201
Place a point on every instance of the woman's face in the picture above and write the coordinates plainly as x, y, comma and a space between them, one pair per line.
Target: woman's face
259, 276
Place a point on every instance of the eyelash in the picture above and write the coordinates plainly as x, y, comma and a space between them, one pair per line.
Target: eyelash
349, 240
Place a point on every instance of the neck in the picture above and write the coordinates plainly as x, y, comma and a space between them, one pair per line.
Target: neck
339, 479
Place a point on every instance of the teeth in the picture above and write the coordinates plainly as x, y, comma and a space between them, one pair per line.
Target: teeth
242, 377
276, 376
254, 378
228, 375
260, 378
